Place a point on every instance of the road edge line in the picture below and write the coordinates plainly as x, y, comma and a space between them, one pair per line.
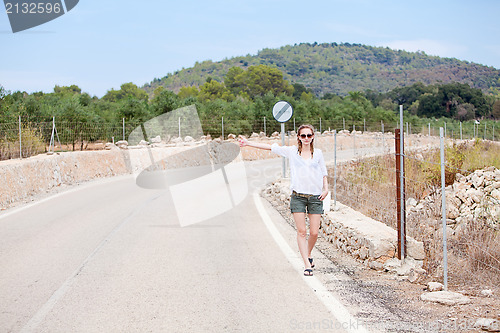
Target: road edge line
332, 304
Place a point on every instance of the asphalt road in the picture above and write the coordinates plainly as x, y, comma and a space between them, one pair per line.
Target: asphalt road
110, 256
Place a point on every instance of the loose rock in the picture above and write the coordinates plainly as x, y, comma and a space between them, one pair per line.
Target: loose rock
445, 297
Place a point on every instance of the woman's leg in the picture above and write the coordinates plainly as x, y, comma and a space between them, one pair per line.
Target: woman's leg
300, 223
314, 222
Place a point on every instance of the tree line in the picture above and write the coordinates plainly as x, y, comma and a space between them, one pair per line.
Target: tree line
244, 97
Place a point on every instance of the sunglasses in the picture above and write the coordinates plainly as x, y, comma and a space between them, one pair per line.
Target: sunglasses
303, 136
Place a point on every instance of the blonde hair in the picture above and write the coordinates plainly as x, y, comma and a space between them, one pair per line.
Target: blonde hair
300, 142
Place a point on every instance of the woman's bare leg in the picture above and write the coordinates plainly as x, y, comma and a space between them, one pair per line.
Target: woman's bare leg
314, 222
300, 223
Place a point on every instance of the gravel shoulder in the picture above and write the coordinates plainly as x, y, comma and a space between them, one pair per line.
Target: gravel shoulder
384, 302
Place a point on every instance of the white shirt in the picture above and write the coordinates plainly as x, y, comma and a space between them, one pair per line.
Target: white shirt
306, 174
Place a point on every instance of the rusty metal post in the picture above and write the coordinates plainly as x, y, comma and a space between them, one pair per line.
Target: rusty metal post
400, 195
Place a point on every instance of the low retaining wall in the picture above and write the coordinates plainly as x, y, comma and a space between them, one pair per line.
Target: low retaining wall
367, 240
23, 179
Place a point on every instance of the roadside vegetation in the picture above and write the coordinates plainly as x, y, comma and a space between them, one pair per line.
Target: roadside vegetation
474, 250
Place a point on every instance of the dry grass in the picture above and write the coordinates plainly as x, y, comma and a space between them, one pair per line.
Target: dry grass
369, 185
32, 144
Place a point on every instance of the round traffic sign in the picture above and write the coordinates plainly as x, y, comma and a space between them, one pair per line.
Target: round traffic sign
282, 111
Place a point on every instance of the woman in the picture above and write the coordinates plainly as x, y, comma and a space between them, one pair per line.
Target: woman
309, 187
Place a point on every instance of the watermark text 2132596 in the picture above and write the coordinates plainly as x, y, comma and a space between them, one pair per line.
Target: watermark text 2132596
26, 14
32, 8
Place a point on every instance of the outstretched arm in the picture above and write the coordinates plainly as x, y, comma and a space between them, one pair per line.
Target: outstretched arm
245, 143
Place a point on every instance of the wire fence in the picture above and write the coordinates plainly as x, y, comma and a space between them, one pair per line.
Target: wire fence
27, 137
466, 230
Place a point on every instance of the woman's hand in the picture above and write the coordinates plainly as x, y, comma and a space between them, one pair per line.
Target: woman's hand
243, 141
323, 195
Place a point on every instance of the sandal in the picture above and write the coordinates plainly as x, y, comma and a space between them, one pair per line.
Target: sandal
311, 261
308, 272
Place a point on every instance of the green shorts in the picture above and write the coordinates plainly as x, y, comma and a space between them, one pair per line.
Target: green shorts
310, 205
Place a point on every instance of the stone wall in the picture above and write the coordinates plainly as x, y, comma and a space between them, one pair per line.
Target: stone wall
23, 179
471, 197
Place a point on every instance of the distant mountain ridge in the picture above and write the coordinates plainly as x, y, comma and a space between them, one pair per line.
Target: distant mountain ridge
341, 68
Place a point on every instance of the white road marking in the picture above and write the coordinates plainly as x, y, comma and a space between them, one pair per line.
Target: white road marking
342, 315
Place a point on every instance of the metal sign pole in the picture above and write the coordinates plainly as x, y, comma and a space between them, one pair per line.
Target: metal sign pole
20, 139
282, 112
283, 161
335, 171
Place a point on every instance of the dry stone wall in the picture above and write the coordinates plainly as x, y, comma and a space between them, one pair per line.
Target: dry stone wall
472, 197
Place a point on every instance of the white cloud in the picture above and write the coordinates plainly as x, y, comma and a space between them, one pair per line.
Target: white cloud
430, 47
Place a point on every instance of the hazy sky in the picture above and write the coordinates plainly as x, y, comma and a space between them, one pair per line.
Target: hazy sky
101, 44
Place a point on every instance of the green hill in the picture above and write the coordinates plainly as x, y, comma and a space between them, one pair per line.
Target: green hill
341, 68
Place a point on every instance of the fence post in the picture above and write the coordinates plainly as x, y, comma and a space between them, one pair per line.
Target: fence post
429, 129
265, 132
123, 128
343, 121
335, 170
484, 131
364, 125
179, 127
400, 202
52, 144
20, 140
354, 138
460, 130
319, 125
222, 128
443, 210
383, 137
402, 227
